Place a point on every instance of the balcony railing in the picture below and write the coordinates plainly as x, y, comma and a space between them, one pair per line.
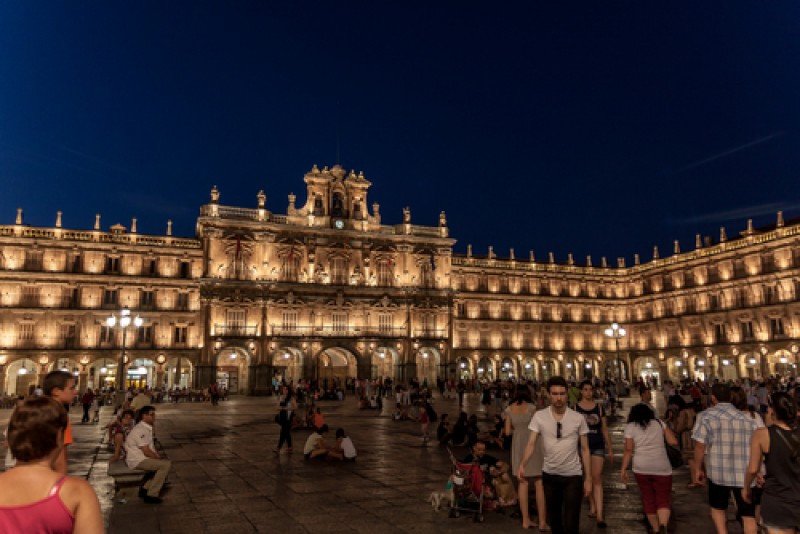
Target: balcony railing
431, 333
235, 330
337, 331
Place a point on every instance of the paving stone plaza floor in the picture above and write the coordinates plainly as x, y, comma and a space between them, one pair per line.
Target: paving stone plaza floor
226, 478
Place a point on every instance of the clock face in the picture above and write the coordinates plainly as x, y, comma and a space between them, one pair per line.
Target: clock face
339, 224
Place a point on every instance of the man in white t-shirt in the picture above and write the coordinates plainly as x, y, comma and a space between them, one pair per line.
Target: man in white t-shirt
561, 430
140, 453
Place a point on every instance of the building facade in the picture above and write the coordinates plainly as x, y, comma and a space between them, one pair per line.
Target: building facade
327, 290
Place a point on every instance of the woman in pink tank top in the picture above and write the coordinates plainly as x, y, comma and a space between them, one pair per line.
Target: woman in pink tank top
34, 498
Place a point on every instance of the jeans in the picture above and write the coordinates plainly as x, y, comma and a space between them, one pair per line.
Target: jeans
285, 436
563, 496
86, 408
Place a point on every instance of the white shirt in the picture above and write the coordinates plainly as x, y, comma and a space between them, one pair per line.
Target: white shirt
348, 448
312, 442
560, 455
649, 453
141, 435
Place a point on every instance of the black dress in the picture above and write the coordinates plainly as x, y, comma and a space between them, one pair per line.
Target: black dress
780, 505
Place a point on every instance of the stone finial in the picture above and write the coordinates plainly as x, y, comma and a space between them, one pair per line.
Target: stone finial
588, 261
621, 263
58, 219
315, 169
749, 230
469, 251
676, 247
698, 241
491, 252
570, 259
292, 200
511, 254
551, 257
442, 219
97, 221
376, 209
262, 199
604, 262
361, 175
636, 260
133, 225
655, 252
169, 226
779, 222
18, 220
406, 215
723, 235
532, 256
214, 195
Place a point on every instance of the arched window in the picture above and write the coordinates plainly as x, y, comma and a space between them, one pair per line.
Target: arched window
357, 211
337, 205
319, 209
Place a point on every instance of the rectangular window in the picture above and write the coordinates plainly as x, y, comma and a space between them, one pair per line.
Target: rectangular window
180, 334
290, 320
235, 321
144, 334
776, 327
112, 265
183, 301
152, 267
339, 322
385, 273
747, 330
106, 334
339, 271
185, 271
461, 309
26, 331
385, 325
720, 334
110, 297
29, 296
147, 299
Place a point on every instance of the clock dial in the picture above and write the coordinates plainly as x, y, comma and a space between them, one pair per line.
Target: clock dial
339, 224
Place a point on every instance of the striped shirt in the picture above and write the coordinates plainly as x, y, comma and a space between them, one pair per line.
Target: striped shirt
726, 433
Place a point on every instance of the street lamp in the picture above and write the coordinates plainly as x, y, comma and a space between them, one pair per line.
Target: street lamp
617, 332
123, 323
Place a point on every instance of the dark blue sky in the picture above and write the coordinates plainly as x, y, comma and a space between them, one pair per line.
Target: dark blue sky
600, 128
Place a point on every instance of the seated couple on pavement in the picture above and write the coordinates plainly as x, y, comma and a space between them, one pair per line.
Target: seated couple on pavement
316, 448
140, 454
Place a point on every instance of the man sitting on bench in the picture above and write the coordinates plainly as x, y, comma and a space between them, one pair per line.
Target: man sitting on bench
140, 453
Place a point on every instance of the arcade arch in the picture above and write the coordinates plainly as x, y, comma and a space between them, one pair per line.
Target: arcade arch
508, 370
385, 363
288, 364
464, 368
428, 360
21, 376
186, 372
336, 363
485, 369
647, 368
233, 364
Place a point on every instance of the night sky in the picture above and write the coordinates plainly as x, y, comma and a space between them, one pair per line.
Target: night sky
600, 128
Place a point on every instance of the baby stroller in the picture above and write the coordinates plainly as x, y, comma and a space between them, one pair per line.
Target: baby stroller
467, 490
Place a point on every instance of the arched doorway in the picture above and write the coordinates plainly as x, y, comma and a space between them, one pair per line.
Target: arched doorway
384, 363
463, 369
233, 364
21, 376
486, 369
288, 364
428, 359
749, 363
529, 369
507, 369
727, 368
65, 364
141, 373
102, 373
648, 369
336, 363
185, 378
548, 369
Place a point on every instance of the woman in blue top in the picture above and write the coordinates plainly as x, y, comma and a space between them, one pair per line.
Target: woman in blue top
599, 447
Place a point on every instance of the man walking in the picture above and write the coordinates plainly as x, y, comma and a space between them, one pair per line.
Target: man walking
561, 430
722, 450
86, 400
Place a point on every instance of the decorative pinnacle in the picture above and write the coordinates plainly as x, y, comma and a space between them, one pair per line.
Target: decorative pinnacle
723, 235
655, 252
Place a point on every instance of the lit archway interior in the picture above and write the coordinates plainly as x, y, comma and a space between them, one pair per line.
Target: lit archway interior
288, 363
384, 363
233, 364
336, 363
428, 360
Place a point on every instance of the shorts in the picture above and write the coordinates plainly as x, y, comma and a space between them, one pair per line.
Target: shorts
656, 492
719, 497
598, 452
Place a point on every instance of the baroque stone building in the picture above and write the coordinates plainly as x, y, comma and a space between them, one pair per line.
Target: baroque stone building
328, 290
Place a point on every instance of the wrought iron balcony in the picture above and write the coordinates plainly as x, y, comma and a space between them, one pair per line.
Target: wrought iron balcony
223, 330
337, 331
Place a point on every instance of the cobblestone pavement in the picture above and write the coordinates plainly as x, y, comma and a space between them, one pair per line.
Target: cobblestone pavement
227, 479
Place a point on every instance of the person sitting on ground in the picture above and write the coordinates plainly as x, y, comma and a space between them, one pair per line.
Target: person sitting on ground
344, 449
318, 419
443, 430
33, 496
140, 453
315, 448
118, 432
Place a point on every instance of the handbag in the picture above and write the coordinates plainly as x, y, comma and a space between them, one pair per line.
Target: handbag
673, 453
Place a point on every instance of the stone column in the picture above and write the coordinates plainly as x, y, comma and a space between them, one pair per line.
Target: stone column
2, 380
160, 375
177, 377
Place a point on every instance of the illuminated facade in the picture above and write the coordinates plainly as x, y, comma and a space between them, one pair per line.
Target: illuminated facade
326, 290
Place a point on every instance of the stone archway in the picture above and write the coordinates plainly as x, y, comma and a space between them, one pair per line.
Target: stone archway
288, 364
233, 366
463, 368
385, 362
508, 369
186, 372
21, 375
428, 360
336, 363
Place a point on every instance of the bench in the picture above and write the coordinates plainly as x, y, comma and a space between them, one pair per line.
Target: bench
124, 477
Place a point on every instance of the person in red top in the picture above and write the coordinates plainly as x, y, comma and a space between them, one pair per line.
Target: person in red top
33, 496
60, 386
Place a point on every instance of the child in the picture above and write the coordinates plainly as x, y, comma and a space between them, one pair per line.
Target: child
60, 386
424, 422
344, 450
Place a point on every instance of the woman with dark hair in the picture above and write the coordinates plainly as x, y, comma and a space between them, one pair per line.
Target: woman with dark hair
33, 496
517, 420
644, 442
779, 447
599, 447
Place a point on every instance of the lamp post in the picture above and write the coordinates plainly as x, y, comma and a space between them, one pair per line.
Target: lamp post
123, 322
617, 332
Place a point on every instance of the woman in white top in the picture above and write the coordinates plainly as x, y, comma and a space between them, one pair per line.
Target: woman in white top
644, 442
